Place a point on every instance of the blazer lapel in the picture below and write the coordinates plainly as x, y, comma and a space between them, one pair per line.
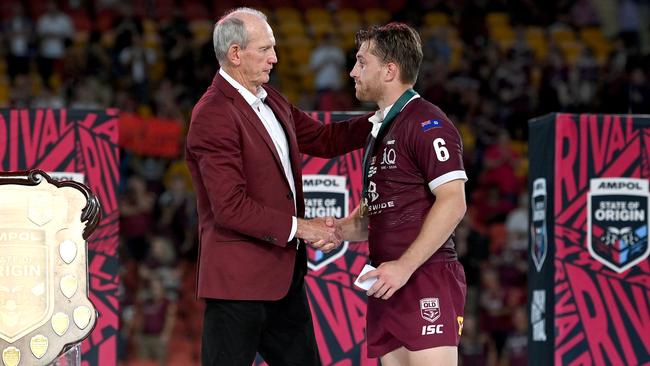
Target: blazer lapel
294, 152
289, 131
250, 116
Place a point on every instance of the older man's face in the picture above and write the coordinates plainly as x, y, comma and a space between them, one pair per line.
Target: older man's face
259, 56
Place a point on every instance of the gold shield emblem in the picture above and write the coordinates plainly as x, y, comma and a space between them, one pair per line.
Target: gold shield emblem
44, 304
25, 291
40, 208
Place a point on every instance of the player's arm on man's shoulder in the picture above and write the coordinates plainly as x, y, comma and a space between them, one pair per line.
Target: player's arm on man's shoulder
333, 139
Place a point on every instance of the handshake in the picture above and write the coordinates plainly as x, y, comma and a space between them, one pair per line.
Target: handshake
322, 233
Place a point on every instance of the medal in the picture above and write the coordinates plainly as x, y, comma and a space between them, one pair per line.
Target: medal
363, 207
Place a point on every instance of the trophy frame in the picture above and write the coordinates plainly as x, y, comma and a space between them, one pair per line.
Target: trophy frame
44, 304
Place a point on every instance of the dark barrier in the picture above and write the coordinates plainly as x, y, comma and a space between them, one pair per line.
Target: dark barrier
589, 276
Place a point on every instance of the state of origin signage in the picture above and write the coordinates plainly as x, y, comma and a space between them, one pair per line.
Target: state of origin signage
589, 276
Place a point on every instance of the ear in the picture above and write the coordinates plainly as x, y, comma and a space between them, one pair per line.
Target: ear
234, 54
391, 72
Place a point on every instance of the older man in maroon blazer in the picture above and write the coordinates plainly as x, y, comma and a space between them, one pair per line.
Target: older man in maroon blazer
243, 151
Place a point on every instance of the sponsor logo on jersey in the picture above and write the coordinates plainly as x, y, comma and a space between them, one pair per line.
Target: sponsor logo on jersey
372, 191
389, 157
617, 222
430, 124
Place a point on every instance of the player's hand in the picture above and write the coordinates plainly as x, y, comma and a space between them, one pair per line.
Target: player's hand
326, 246
319, 232
391, 276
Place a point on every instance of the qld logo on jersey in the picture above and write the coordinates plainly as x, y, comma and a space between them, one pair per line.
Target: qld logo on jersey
430, 309
538, 240
617, 222
325, 195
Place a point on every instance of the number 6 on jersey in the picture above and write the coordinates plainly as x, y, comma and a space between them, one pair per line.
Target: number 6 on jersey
441, 151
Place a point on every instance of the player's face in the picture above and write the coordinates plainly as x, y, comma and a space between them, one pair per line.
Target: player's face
367, 73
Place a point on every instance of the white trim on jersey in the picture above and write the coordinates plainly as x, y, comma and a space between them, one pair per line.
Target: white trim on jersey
447, 177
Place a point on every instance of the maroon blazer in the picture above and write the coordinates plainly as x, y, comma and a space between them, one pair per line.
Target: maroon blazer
244, 200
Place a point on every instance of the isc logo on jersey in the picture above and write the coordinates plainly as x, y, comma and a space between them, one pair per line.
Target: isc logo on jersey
430, 311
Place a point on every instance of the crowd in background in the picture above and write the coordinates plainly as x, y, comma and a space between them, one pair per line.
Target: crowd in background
491, 65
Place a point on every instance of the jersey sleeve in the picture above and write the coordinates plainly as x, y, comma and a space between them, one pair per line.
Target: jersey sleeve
436, 148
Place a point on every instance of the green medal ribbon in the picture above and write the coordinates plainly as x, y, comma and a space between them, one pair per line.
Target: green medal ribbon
370, 146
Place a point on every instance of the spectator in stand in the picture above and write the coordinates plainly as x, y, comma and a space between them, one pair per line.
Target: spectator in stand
137, 61
54, 29
177, 208
156, 315
493, 309
501, 163
136, 217
476, 348
515, 349
328, 64
19, 33
517, 224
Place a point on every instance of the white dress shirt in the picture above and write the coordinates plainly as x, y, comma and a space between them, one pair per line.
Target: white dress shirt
277, 134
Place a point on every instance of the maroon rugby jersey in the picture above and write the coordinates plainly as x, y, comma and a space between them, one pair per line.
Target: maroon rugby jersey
421, 150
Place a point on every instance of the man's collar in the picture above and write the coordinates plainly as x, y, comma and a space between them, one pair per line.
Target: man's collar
250, 98
378, 117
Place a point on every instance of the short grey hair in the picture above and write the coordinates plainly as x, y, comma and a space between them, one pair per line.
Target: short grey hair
230, 30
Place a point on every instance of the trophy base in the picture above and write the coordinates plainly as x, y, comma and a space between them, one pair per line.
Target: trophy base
71, 357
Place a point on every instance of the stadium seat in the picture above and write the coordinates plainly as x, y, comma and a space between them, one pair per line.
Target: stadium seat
536, 39
593, 37
201, 30
318, 15
436, 19
376, 16
285, 14
503, 35
571, 50
348, 16
496, 19
563, 35
318, 30
291, 28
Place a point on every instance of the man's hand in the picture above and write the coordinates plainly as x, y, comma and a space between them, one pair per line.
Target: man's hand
391, 276
323, 245
321, 232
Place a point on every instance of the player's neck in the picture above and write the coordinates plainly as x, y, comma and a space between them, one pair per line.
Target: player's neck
391, 95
